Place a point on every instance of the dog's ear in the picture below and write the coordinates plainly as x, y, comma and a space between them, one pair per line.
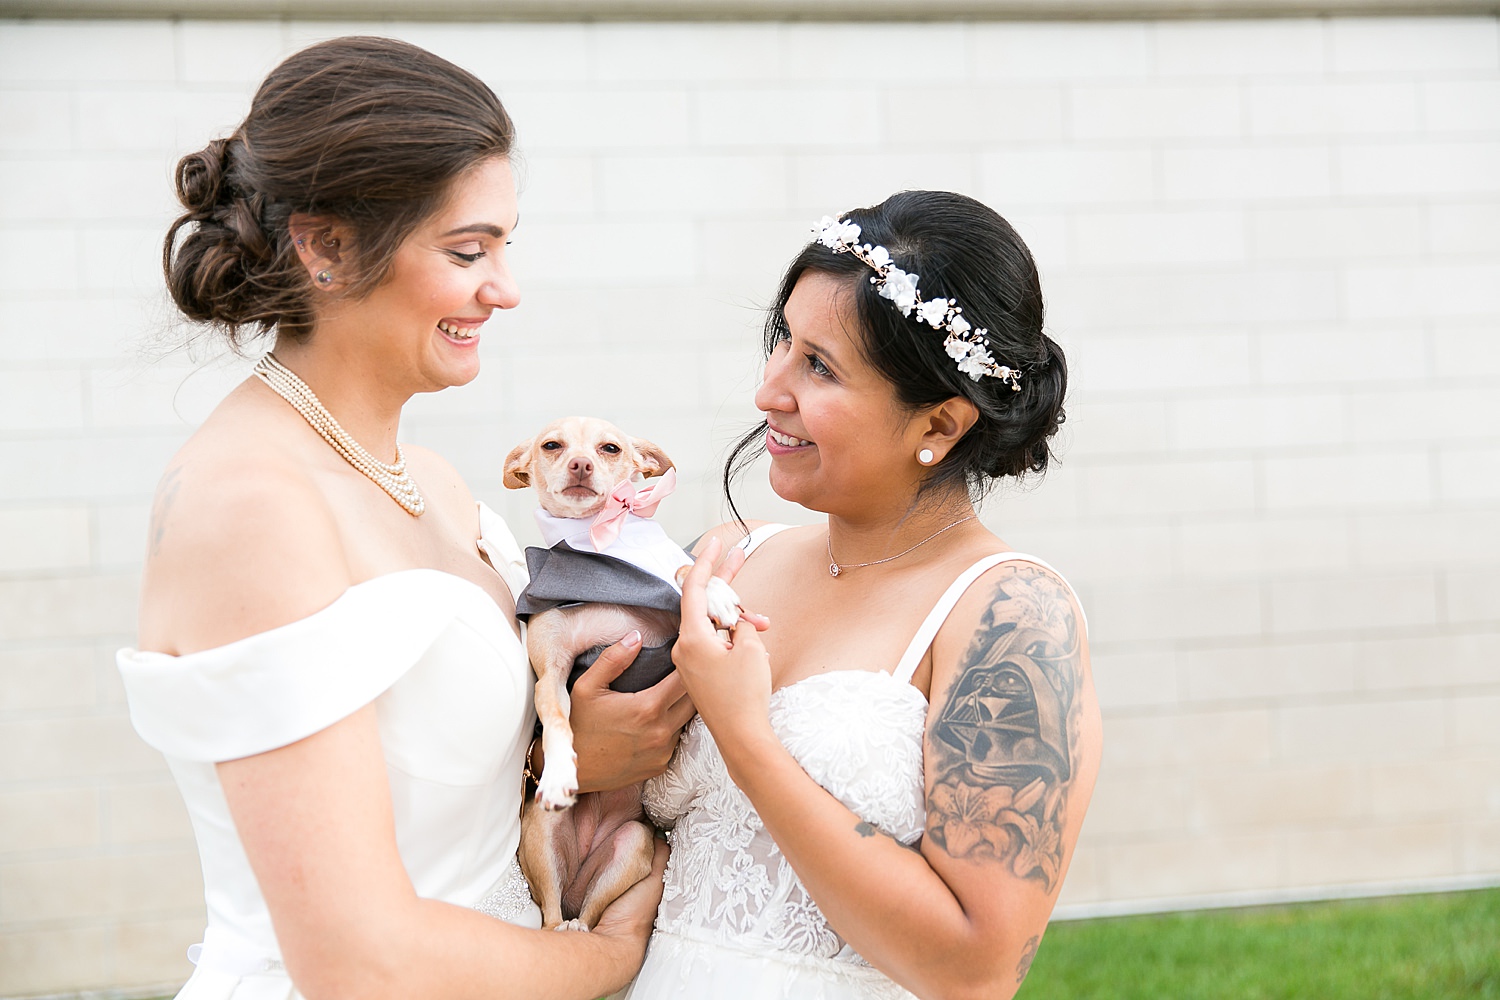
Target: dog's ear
650, 459
518, 466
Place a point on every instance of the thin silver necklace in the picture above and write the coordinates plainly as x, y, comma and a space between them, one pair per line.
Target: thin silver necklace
834, 569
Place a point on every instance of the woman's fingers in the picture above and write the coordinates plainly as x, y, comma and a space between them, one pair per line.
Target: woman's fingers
695, 587
731, 564
671, 704
745, 637
611, 663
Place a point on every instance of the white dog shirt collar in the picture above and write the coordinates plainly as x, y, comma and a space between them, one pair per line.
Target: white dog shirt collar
643, 543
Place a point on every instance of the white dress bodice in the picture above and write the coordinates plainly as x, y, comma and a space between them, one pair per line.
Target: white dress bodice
733, 910
451, 684
735, 921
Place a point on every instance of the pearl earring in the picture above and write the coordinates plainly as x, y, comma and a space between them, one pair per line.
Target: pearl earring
925, 456
325, 278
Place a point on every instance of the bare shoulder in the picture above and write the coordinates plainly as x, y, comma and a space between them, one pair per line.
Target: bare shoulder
240, 541
729, 533
1013, 739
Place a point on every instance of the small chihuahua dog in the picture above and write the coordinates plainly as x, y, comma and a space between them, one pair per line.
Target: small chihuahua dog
607, 572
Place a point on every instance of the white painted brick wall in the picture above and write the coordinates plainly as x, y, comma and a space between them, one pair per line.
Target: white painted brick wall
1271, 248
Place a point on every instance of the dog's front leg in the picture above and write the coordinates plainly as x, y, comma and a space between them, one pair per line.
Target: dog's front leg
551, 653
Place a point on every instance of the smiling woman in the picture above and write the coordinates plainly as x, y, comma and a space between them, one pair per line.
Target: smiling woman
329, 656
327, 140
881, 794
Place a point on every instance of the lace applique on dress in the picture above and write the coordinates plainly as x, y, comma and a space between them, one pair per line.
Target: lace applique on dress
859, 735
510, 899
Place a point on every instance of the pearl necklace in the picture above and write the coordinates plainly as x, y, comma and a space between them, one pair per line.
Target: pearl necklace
389, 476
834, 569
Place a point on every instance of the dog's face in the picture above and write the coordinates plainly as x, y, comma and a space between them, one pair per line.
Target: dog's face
574, 463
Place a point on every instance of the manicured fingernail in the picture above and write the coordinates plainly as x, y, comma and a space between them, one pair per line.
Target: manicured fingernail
633, 639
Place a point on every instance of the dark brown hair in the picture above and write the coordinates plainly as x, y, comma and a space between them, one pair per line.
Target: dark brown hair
961, 249
370, 132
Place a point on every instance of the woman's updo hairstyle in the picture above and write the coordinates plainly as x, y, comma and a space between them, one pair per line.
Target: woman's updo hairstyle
370, 132
963, 250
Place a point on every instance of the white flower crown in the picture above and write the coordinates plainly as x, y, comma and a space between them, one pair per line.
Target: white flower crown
964, 344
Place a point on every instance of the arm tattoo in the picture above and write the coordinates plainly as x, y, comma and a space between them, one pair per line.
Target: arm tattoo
1027, 955
163, 506
1003, 747
867, 829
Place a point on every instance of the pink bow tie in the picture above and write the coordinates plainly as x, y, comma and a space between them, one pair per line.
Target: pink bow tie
626, 499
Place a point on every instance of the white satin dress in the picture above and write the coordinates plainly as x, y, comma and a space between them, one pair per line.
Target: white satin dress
452, 688
735, 922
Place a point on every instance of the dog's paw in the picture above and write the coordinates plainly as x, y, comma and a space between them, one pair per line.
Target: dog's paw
557, 788
723, 603
572, 925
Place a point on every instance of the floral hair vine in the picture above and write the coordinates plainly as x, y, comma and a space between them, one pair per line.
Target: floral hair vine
964, 343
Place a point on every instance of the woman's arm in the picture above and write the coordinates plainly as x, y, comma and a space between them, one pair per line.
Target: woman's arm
316, 821
961, 916
237, 555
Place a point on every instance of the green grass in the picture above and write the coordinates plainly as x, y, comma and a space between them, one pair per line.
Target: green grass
1401, 948
1441, 947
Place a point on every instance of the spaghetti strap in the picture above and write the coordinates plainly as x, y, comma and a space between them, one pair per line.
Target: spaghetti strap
753, 541
940, 611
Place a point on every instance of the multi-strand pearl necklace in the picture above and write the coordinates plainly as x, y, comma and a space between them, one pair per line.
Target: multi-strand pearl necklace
389, 476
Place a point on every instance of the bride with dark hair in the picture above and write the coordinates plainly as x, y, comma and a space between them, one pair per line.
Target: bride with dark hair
848, 819
329, 656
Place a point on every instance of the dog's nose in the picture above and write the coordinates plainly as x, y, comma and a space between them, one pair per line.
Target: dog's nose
581, 467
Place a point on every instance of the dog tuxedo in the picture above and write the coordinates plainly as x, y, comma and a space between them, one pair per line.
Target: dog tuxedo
635, 569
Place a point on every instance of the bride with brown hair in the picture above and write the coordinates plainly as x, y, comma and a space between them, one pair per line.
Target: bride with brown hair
329, 656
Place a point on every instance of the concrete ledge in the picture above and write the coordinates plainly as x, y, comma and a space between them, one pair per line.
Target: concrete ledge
1275, 897
704, 10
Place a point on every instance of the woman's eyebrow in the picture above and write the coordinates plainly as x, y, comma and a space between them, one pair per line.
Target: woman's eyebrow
487, 228
478, 227
824, 351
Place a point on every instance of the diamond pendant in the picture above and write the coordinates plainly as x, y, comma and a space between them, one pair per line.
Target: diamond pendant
833, 569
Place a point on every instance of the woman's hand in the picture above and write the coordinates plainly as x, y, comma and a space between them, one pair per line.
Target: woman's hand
632, 915
622, 738
729, 682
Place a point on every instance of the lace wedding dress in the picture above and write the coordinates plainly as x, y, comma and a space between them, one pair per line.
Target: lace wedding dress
452, 688
735, 922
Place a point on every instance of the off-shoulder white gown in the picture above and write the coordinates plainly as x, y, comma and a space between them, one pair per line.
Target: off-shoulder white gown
452, 688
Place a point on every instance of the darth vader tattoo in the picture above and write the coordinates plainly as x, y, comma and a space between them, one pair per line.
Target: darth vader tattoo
1002, 749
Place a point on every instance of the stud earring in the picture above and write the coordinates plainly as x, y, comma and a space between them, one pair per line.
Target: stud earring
325, 278
925, 456
301, 244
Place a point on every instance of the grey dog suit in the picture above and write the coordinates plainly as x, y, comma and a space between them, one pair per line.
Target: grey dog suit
564, 577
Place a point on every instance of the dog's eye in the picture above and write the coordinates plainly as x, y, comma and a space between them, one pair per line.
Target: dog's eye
551, 446
610, 449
